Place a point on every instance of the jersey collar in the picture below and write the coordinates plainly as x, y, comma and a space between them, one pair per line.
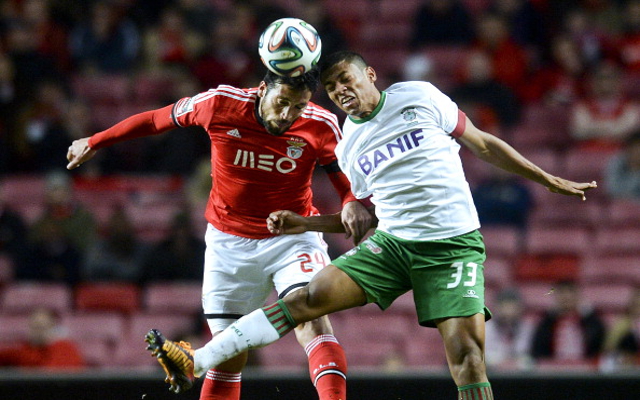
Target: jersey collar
383, 98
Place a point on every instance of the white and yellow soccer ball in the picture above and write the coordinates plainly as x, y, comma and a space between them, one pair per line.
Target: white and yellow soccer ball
290, 47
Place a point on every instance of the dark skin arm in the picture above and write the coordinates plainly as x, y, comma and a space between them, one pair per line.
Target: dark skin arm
285, 222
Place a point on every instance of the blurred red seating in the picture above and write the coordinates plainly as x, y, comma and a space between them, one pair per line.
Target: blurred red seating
286, 354
424, 347
568, 239
24, 297
608, 297
498, 272
586, 166
537, 296
559, 211
97, 335
108, 296
547, 267
14, 327
617, 241
623, 213
611, 269
400, 12
102, 88
502, 241
174, 297
131, 346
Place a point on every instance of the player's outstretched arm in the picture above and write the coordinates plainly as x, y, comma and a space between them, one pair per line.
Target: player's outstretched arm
499, 153
287, 222
146, 123
79, 152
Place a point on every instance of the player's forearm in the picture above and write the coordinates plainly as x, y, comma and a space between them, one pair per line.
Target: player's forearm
502, 155
330, 223
143, 124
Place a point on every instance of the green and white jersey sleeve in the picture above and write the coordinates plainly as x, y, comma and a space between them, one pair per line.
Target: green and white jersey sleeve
405, 156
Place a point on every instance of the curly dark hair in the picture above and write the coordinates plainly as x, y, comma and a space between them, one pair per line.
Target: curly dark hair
308, 81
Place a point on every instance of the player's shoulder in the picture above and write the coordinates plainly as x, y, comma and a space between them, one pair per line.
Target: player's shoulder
315, 112
409, 87
227, 93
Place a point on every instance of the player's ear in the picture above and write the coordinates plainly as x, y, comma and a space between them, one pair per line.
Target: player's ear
371, 74
262, 89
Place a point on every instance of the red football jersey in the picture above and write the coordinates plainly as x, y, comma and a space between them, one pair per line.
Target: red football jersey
254, 172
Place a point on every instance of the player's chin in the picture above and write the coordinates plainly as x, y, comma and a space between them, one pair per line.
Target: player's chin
277, 131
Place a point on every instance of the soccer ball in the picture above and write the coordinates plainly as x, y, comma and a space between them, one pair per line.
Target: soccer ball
290, 47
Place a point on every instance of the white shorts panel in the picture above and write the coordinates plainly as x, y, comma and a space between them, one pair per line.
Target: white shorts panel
241, 273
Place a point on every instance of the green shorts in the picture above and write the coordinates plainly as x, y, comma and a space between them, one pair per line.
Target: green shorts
446, 276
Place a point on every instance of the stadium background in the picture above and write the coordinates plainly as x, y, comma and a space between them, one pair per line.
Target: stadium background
597, 243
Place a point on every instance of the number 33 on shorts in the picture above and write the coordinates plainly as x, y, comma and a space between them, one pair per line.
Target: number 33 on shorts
465, 274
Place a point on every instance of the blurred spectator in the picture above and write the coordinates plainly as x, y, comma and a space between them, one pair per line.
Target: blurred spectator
62, 210
418, 67
441, 23
571, 331
171, 41
51, 36
479, 89
593, 43
228, 59
39, 139
606, 15
13, 233
260, 14
200, 15
315, 13
180, 256
59, 236
179, 152
198, 185
77, 119
107, 42
509, 59
525, 21
53, 256
29, 65
622, 344
509, 333
605, 116
629, 40
503, 199
46, 346
118, 254
558, 81
622, 174
8, 106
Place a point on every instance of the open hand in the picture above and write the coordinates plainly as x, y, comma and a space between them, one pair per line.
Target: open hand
570, 188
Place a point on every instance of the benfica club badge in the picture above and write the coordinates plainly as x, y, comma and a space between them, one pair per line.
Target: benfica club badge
295, 149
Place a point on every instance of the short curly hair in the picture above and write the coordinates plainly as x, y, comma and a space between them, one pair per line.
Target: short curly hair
308, 81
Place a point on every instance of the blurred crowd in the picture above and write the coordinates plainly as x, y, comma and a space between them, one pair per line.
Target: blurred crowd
70, 68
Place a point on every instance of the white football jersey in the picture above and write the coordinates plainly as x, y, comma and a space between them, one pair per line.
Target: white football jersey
405, 156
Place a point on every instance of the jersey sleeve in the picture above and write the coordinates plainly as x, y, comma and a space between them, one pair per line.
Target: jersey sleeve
147, 123
196, 110
446, 112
